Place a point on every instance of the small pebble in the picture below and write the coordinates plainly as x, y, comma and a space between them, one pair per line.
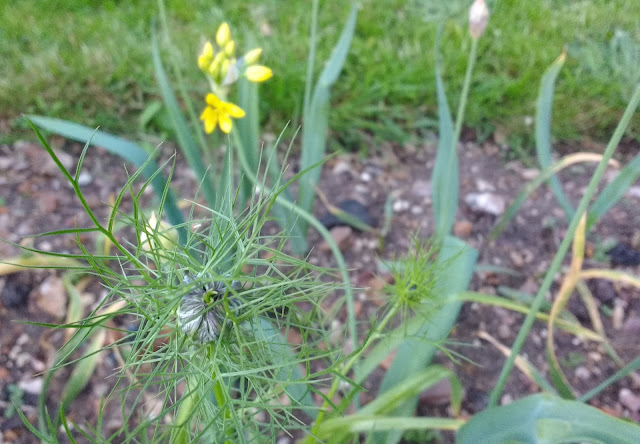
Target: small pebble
84, 178
486, 203
400, 205
33, 385
582, 373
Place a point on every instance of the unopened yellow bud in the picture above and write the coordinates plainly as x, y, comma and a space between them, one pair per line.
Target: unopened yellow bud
223, 35
258, 73
252, 57
214, 68
230, 48
478, 18
162, 235
224, 68
205, 57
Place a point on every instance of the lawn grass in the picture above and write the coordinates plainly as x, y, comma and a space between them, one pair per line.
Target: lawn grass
89, 62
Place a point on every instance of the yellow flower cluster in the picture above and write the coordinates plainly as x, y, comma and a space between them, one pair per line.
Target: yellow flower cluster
223, 69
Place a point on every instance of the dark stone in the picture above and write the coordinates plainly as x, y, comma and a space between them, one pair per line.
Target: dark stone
14, 294
624, 255
476, 400
354, 208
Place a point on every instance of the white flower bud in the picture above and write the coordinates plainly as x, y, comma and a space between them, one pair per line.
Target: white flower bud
478, 18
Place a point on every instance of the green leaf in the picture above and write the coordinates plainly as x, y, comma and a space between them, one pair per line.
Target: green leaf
316, 118
416, 352
444, 178
120, 147
614, 191
543, 130
249, 130
83, 370
387, 402
186, 141
545, 418
339, 429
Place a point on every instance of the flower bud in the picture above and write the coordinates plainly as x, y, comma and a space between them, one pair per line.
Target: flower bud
230, 48
223, 35
224, 68
206, 56
166, 235
258, 73
478, 18
214, 68
252, 57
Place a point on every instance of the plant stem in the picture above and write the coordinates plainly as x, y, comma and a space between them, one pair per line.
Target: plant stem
564, 247
350, 364
465, 93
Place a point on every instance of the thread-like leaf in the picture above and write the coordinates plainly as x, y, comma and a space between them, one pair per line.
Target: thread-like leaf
416, 352
126, 149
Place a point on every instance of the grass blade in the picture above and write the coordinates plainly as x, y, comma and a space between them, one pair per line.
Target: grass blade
186, 140
564, 246
316, 118
543, 130
444, 178
614, 191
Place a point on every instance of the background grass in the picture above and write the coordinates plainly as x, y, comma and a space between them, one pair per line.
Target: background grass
89, 62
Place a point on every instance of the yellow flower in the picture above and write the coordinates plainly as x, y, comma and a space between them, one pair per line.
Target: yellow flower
258, 73
219, 113
223, 35
205, 57
252, 57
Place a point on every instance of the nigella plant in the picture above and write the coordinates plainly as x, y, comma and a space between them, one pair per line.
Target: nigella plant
208, 308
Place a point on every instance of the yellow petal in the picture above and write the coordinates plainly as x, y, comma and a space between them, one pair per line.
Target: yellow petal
213, 100
205, 113
223, 35
211, 122
234, 111
258, 73
225, 124
252, 57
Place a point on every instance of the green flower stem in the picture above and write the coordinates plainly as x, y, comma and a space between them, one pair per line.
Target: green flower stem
353, 334
564, 247
465, 93
462, 105
350, 364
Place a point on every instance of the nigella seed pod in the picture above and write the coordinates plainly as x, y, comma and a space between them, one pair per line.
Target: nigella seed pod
202, 314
